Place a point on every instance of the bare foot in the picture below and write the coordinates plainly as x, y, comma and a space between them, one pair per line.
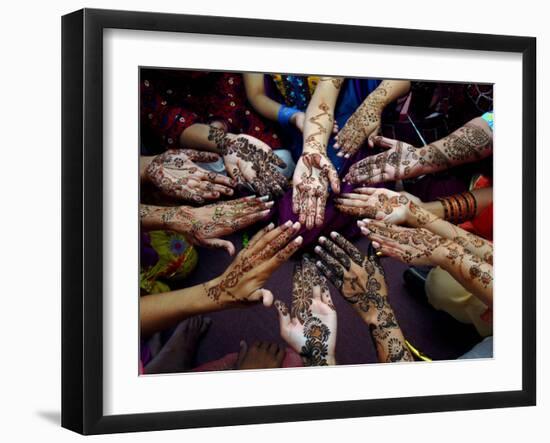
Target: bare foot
260, 355
179, 351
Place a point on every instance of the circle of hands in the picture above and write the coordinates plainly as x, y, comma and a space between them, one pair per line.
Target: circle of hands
312, 176
176, 175
253, 165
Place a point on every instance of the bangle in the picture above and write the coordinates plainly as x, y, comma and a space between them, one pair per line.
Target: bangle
459, 208
285, 114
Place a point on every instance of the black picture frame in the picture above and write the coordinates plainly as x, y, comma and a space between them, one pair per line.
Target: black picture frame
82, 218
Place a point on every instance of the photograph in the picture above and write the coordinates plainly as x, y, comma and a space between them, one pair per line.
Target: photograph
292, 220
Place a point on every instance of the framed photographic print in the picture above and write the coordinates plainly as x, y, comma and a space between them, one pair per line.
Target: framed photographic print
270, 221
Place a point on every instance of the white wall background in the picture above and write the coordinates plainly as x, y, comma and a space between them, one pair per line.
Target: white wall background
30, 217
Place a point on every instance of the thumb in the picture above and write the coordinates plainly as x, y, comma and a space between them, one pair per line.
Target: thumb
265, 295
201, 156
219, 243
383, 142
372, 136
284, 316
334, 180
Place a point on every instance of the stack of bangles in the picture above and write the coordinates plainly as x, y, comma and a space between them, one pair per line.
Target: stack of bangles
459, 208
285, 114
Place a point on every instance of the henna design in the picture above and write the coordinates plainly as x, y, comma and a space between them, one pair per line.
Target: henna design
315, 350
263, 162
336, 82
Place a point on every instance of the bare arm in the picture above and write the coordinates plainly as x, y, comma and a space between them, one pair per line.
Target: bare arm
255, 92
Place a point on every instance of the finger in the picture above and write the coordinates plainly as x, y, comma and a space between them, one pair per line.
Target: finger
297, 283
330, 274
335, 251
383, 142
350, 200
221, 179
296, 197
260, 234
334, 180
328, 259
283, 255
366, 190
250, 219
276, 160
259, 186
284, 315
262, 244
310, 210
219, 243
320, 210
348, 247
213, 187
263, 295
201, 156
206, 195
374, 134
326, 298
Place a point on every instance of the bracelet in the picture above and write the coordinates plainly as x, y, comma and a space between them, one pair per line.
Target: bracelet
459, 208
285, 114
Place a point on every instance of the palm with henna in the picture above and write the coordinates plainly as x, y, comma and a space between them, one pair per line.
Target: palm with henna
312, 176
310, 327
176, 175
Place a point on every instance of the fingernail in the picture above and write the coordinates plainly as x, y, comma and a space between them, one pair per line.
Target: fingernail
264, 198
364, 230
333, 234
318, 263
317, 249
265, 212
288, 224
270, 226
298, 240
322, 239
347, 156
360, 223
270, 204
296, 226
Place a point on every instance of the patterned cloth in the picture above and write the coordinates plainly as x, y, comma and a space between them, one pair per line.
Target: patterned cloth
173, 100
165, 256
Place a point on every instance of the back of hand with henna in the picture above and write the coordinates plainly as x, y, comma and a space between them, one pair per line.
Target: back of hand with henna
361, 281
250, 162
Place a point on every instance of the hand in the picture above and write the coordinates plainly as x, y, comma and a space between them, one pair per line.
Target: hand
377, 203
204, 225
414, 246
364, 124
251, 161
176, 175
399, 162
310, 327
311, 178
241, 283
359, 278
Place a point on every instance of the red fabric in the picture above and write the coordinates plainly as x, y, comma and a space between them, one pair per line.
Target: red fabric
482, 225
172, 100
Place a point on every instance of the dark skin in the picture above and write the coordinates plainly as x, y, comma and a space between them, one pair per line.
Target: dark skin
260, 355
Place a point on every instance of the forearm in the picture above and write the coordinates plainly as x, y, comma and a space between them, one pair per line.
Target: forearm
386, 334
158, 312
319, 117
470, 271
418, 217
255, 92
387, 92
483, 198
164, 217
472, 142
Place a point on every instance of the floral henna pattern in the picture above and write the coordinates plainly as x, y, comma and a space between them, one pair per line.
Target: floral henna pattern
306, 277
315, 350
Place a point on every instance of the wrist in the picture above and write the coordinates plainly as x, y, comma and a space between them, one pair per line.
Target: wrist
144, 164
